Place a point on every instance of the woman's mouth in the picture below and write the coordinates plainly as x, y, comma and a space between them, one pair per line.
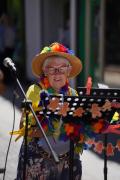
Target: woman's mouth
57, 80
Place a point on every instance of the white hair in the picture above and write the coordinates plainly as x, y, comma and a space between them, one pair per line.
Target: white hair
49, 59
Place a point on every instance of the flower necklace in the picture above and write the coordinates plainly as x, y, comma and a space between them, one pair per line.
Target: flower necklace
44, 82
50, 123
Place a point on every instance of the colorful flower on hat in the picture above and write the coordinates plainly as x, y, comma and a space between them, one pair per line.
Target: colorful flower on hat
56, 47
45, 49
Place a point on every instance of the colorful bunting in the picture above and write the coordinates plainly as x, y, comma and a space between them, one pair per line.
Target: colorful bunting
98, 147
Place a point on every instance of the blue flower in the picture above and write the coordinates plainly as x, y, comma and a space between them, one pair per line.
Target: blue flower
70, 52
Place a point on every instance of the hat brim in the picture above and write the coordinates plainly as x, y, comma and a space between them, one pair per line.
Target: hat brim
39, 59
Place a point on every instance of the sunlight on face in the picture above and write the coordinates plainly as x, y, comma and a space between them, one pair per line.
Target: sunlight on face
57, 70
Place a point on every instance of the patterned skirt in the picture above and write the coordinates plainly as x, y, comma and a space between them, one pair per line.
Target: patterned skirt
40, 166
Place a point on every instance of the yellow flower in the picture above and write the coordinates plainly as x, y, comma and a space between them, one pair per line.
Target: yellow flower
115, 117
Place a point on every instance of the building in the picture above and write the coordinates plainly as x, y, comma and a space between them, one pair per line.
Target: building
84, 25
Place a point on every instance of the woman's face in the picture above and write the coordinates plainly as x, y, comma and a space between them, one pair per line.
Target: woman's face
57, 71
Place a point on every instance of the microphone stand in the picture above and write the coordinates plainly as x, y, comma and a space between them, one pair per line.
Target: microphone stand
25, 105
105, 156
29, 107
38, 122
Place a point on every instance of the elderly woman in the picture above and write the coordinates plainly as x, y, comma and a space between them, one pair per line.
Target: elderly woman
53, 66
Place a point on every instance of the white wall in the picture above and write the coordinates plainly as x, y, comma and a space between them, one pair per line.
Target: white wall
53, 19
43, 21
32, 32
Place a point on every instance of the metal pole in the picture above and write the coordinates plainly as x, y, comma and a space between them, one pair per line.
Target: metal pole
87, 38
73, 32
101, 40
105, 156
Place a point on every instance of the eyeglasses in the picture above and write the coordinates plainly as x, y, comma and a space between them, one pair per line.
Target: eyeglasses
59, 70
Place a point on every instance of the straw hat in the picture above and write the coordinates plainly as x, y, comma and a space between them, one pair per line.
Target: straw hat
56, 49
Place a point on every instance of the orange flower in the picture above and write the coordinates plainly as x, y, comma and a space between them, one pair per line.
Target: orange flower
78, 112
98, 147
81, 138
69, 129
64, 108
55, 47
110, 149
58, 47
98, 126
106, 106
95, 111
91, 141
54, 103
46, 82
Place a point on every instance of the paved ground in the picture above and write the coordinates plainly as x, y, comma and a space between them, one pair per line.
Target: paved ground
92, 163
6, 121
93, 168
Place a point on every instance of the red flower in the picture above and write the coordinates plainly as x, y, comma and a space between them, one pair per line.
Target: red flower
76, 130
69, 129
46, 82
98, 147
110, 149
97, 127
59, 48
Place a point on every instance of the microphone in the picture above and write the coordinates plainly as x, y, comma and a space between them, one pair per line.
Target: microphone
9, 64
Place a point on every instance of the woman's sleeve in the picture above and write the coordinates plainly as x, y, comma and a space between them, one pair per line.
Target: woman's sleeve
74, 92
33, 94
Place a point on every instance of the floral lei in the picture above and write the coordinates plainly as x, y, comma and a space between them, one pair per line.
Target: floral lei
77, 132
52, 126
46, 85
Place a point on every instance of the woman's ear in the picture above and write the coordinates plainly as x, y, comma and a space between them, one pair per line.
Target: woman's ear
44, 71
